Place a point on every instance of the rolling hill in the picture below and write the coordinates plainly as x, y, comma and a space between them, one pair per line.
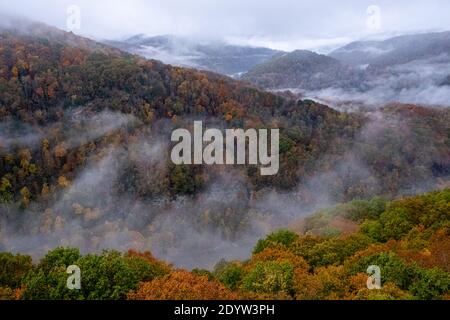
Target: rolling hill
85, 139
406, 69
300, 69
394, 51
216, 56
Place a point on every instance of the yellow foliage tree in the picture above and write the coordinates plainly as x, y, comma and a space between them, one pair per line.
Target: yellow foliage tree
182, 285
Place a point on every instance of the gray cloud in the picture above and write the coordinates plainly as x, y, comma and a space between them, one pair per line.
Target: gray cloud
282, 24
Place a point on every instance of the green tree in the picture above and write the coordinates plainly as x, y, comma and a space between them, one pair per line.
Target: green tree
430, 283
13, 268
269, 277
110, 275
283, 237
5, 191
229, 273
395, 223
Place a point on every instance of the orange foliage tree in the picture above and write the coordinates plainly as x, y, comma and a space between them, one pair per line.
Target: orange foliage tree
182, 285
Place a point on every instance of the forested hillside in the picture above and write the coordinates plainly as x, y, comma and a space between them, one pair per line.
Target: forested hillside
303, 69
48, 84
216, 56
85, 138
408, 239
407, 69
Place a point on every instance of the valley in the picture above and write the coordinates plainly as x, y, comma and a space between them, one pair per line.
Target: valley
357, 174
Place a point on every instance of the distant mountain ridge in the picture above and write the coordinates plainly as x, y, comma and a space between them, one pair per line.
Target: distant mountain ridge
85, 133
394, 51
407, 69
300, 68
216, 56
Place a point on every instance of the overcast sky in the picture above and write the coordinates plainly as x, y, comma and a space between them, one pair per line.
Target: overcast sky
282, 24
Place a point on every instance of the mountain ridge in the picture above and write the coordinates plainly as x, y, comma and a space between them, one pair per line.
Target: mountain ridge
216, 56
405, 69
85, 141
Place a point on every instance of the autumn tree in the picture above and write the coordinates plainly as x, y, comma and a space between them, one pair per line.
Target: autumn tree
182, 285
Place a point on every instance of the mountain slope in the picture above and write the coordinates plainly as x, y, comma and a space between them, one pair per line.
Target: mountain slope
407, 238
406, 69
394, 51
216, 56
300, 69
85, 153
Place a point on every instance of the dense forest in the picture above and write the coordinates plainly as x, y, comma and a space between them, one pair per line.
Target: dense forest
84, 163
408, 238
305, 70
52, 89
